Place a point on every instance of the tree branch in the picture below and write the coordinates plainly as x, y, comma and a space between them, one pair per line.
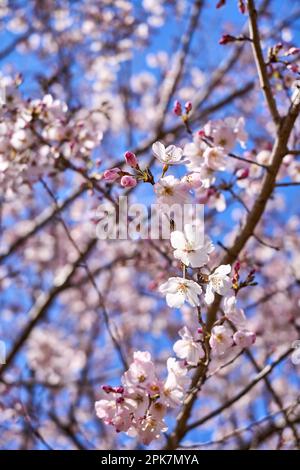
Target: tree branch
260, 62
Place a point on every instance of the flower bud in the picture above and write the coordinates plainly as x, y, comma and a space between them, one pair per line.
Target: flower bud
131, 159
237, 266
128, 181
112, 174
177, 109
220, 3
242, 173
242, 7
188, 106
226, 38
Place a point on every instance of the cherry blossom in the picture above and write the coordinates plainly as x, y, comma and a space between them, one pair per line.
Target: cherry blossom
225, 133
170, 190
214, 159
176, 382
179, 290
109, 117
244, 338
138, 407
221, 339
170, 155
219, 282
188, 347
189, 247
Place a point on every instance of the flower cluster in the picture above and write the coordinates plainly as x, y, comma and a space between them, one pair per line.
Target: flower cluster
207, 153
193, 252
39, 137
138, 406
126, 179
52, 358
235, 333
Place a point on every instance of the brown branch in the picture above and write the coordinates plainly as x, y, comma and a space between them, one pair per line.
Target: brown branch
44, 302
11, 47
91, 279
283, 185
260, 62
288, 409
42, 220
254, 216
267, 432
275, 396
260, 376
172, 79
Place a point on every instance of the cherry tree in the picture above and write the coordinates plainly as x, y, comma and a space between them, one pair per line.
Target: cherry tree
111, 337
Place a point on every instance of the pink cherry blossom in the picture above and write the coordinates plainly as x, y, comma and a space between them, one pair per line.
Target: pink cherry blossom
188, 347
221, 339
179, 290
219, 282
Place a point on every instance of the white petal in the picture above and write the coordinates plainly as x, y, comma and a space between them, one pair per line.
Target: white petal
193, 235
181, 348
183, 256
170, 286
209, 295
175, 300
178, 240
198, 258
159, 150
225, 288
192, 298
194, 286
223, 269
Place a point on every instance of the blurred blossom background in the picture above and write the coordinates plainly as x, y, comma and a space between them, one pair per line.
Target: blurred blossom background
84, 82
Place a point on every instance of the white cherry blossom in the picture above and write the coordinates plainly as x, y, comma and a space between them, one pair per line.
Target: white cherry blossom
187, 347
170, 155
179, 290
189, 247
219, 282
170, 190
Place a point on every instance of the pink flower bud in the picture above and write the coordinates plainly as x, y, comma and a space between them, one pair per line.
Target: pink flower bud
177, 109
242, 6
237, 266
131, 159
220, 3
226, 38
188, 106
293, 67
128, 181
119, 389
107, 388
243, 174
112, 174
